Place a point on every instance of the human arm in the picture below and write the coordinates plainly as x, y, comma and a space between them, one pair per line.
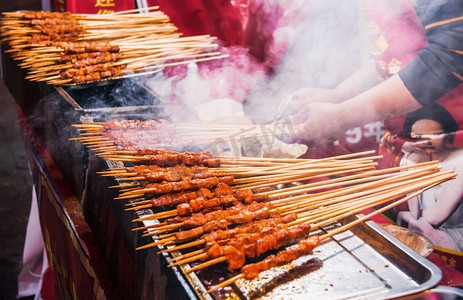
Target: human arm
362, 79
325, 122
414, 207
439, 65
454, 139
437, 70
433, 143
447, 195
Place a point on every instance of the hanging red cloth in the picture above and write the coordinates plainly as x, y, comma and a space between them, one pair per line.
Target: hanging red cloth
93, 6
197, 17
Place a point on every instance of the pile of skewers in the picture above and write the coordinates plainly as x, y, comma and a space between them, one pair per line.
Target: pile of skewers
227, 210
65, 48
127, 137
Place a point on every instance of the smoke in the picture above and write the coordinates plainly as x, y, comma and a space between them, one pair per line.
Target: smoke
290, 44
113, 93
314, 43
327, 45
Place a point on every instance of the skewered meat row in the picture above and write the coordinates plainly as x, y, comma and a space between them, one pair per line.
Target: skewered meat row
136, 139
254, 245
180, 218
167, 158
81, 47
252, 227
134, 124
54, 21
90, 77
155, 173
111, 72
183, 197
99, 68
222, 219
105, 57
172, 199
238, 210
285, 256
198, 204
73, 58
46, 39
152, 189
47, 15
73, 29
175, 199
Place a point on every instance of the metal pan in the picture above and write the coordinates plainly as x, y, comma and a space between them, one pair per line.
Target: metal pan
366, 262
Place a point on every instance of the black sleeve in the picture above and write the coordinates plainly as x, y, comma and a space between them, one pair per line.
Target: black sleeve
439, 66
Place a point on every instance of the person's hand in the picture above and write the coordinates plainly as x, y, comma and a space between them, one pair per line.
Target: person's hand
431, 143
302, 97
421, 225
316, 125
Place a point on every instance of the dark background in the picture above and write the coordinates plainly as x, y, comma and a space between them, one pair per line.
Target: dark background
15, 180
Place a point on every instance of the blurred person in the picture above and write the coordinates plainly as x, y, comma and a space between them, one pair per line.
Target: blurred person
416, 67
438, 212
417, 51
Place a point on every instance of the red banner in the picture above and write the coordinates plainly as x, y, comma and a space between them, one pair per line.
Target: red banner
75, 280
69, 256
93, 6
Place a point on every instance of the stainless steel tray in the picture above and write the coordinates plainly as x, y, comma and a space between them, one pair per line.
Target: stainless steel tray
365, 262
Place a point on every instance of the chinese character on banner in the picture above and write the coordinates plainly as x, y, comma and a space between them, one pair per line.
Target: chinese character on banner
93, 6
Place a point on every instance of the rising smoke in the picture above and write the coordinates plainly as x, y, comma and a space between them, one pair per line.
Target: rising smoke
327, 46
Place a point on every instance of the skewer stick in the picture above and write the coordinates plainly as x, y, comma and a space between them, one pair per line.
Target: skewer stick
336, 231
189, 254
149, 226
381, 199
123, 12
159, 242
251, 181
190, 259
356, 191
226, 283
184, 246
325, 215
368, 175
378, 211
123, 186
207, 264
304, 202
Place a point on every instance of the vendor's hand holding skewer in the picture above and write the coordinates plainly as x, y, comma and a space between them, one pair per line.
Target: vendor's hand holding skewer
318, 124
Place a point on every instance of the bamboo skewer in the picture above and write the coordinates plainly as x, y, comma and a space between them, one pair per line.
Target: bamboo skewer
277, 178
358, 190
306, 188
320, 198
352, 193
145, 39
365, 196
283, 178
349, 213
334, 232
334, 207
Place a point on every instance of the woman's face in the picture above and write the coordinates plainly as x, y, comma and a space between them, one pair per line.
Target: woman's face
429, 136
425, 127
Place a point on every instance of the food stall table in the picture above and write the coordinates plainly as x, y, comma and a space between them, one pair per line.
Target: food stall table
88, 234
